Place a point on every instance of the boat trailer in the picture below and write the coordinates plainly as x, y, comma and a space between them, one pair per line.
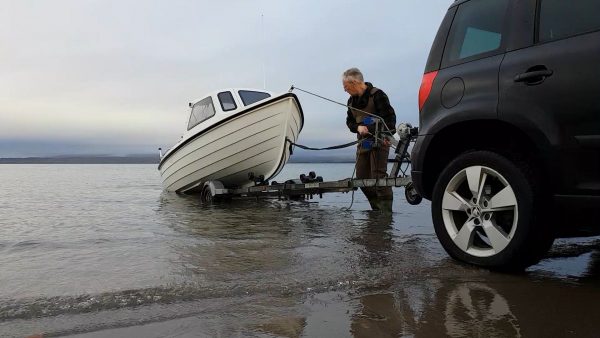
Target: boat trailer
308, 186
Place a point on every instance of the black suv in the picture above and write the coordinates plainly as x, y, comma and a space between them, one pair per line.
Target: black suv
509, 142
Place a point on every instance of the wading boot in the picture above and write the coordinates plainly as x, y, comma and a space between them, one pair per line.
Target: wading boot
385, 206
374, 204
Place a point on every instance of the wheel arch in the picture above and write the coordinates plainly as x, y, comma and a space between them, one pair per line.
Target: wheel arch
494, 135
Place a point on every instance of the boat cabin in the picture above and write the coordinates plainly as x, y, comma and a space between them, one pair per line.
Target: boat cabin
223, 103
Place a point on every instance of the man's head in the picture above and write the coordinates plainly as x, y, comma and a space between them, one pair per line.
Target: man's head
353, 82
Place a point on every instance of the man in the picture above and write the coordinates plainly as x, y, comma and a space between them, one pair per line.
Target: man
371, 162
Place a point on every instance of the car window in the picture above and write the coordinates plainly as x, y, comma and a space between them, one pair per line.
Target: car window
249, 97
476, 31
226, 100
560, 19
201, 111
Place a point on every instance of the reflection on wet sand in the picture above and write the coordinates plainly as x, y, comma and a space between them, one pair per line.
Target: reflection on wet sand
477, 309
494, 305
376, 239
290, 327
379, 316
512, 308
467, 310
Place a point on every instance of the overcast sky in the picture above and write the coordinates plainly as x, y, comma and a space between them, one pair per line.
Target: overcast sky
115, 77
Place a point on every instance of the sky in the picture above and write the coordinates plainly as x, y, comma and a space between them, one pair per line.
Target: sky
115, 77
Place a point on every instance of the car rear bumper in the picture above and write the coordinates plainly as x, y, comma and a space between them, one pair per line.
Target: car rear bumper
417, 164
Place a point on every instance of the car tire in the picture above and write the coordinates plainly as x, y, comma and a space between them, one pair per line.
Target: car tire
491, 211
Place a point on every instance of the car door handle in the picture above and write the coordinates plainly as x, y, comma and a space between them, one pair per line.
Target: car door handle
534, 77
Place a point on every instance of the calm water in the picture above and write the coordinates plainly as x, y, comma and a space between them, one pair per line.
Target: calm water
100, 250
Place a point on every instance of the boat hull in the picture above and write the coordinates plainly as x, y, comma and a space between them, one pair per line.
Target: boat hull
252, 141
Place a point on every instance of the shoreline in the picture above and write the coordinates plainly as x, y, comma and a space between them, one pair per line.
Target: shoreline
118, 160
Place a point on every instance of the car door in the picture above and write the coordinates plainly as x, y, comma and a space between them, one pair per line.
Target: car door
550, 90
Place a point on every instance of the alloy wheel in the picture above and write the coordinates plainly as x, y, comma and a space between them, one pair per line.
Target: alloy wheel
480, 211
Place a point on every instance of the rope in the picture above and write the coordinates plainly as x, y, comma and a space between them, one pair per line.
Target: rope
386, 129
348, 208
340, 146
393, 131
345, 145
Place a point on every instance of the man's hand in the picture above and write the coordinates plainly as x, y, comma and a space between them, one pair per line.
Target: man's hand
362, 130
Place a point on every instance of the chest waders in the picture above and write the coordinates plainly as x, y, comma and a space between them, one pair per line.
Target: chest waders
372, 162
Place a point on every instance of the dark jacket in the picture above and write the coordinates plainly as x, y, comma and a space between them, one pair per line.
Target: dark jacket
382, 106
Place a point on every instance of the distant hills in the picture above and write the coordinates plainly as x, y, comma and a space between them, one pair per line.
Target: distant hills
83, 159
299, 156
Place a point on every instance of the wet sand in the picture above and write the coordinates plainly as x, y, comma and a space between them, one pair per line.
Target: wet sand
445, 300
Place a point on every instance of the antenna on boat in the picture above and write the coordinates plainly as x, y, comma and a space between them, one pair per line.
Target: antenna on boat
262, 26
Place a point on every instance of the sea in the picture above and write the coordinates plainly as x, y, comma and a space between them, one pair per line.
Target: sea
100, 250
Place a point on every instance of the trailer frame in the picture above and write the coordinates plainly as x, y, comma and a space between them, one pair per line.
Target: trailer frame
308, 186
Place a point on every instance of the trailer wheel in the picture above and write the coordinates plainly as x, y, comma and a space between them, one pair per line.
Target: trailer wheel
411, 194
214, 191
206, 195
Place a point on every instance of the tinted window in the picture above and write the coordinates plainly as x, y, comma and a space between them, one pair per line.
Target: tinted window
476, 31
560, 18
226, 101
201, 111
250, 97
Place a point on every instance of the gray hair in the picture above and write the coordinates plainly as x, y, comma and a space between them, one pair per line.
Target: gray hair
353, 74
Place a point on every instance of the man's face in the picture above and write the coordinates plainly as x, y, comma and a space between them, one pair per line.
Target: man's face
352, 87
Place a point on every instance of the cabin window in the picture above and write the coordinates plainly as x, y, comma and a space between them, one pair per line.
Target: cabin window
201, 111
249, 97
227, 102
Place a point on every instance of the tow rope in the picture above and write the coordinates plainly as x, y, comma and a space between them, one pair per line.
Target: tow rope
292, 88
340, 146
387, 129
345, 145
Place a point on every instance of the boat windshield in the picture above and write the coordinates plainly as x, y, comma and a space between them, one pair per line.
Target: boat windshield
249, 97
201, 111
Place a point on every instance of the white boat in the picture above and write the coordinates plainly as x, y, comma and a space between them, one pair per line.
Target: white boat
230, 134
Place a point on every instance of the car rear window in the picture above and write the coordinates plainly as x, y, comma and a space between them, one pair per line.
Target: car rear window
476, 31
561, 19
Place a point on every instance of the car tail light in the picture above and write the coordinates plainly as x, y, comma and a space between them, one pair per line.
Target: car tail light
425, 89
